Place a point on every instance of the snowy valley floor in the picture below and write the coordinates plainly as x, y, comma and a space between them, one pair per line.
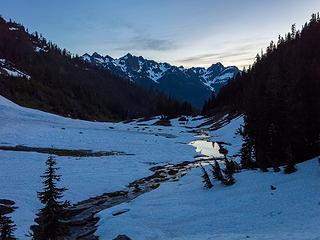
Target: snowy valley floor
247, 210
175, 210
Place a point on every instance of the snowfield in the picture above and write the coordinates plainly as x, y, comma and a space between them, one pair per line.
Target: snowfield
247, 210
84, 176
175, 210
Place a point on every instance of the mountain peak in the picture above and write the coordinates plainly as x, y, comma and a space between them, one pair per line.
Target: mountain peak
96, 55
128, 55
108, 57
217, 65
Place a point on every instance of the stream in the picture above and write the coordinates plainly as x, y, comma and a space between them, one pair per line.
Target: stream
83, 221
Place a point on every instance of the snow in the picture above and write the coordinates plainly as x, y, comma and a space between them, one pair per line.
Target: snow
87, 176
86, 58
130, 77
13, 29
247, 210
227, 134
16, 73
176, 210
101, 60
38, 49
12, 71
220, 78
223, 77
140, 65
120, 63
155, 76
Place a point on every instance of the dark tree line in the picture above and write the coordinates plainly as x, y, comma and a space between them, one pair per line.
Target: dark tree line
64, 84
171, 108
280, 98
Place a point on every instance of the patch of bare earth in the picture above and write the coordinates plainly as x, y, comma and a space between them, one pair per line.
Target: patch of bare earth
62, 152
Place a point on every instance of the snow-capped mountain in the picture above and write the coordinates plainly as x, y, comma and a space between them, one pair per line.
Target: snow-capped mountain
193, 84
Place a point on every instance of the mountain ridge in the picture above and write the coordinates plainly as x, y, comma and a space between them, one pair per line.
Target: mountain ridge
194, 84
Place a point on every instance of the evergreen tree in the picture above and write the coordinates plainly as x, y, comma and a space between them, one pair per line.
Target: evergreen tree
51, 219
216, 171
223, 151
206, 179
290, 166
208, 105
7, 228
246, 151
229, 171
246, 154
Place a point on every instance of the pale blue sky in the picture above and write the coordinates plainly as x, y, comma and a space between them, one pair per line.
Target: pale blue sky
181, 32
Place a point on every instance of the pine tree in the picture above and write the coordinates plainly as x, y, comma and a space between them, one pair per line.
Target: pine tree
290, 166
7, 228
216, 171
206, 179
229, 171
246, 154
52, 217
293, 31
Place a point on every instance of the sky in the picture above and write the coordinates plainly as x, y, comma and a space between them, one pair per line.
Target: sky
192, 33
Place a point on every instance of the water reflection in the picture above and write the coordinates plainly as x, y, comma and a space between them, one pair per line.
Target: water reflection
207, 148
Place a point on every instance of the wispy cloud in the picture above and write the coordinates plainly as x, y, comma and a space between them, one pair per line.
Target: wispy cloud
241, 55
140, 38
215, 56
148, 43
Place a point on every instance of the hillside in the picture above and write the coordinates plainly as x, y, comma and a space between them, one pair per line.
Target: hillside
35, 72
193, 85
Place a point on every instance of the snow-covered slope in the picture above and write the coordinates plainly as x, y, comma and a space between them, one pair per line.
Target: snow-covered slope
86, 176
247, 210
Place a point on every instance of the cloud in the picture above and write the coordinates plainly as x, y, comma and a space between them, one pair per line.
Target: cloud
140, 38
241, 54
200, 57
146, 43
216, 56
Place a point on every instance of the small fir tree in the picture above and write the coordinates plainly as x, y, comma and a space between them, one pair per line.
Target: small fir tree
246, 149
51, 219
229, 171
216, 171
290, 166
206, 179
